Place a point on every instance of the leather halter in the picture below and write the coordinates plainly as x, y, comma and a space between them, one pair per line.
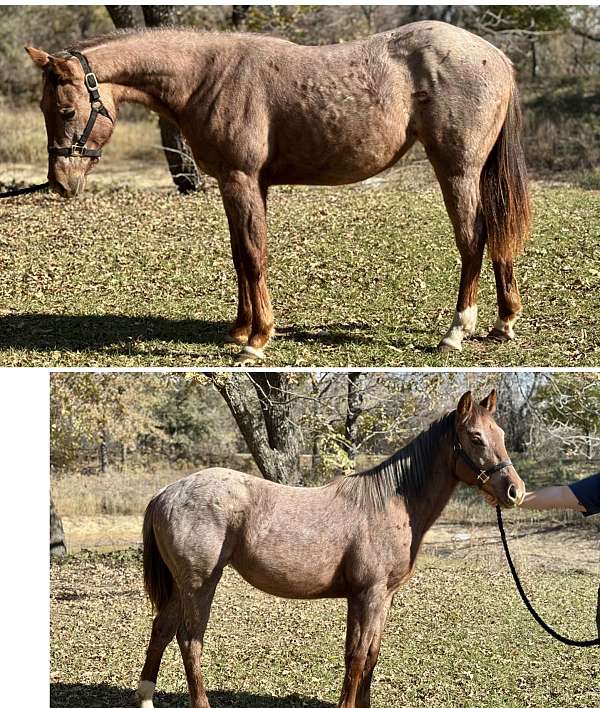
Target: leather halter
482, 475
78, 148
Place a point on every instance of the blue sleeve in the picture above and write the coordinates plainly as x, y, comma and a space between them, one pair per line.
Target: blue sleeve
587, 492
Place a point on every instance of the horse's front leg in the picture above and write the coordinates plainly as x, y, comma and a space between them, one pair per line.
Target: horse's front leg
245, 204
240, 331
367, 614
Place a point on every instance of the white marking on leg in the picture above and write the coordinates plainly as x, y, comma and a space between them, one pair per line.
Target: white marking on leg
462, 326
144, 693
506, 327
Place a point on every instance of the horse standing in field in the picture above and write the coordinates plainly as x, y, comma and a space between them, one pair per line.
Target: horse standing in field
260, 111
355, 538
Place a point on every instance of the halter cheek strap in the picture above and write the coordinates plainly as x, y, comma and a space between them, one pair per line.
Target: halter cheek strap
78, 148
482, 475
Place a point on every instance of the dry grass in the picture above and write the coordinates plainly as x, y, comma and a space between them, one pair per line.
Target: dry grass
442, 647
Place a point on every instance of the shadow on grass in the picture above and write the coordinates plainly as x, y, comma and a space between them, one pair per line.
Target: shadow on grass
95, 332
79, 695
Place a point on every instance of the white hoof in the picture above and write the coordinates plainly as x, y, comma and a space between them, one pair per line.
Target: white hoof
253, 352
144, 693
502, 331
450, 344
463, 325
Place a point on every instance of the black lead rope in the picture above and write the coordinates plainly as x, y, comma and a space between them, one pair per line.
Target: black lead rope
537, 618
24, 190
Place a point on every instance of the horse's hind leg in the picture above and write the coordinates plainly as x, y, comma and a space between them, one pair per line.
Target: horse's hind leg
245, 204
196, 606
461, 196
509, 301
163, 630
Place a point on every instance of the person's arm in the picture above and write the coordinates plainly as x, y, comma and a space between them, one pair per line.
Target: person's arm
557, 497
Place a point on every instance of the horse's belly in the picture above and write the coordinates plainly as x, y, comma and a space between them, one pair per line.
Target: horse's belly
289, 574
349, 153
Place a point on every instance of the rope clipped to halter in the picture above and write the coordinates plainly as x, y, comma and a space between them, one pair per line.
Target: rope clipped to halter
24, 190
538, 619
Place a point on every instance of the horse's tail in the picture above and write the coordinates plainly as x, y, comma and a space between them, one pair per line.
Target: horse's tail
158, 580
505, 203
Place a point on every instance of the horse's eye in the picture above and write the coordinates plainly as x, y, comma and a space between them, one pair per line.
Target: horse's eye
476, 440
67, 114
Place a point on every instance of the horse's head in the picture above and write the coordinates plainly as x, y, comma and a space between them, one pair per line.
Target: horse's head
72, 104
480, 454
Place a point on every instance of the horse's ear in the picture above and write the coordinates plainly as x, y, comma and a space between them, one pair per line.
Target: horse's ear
490, 401
39, 57
465, 406
68, 69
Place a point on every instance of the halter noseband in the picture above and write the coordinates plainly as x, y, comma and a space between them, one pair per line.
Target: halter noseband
78, 148
481, 475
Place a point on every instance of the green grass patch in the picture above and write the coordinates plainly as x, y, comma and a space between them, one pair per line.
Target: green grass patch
457, 636
360, 277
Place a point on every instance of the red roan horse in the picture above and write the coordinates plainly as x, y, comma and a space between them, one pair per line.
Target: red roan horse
355, 538
259, 111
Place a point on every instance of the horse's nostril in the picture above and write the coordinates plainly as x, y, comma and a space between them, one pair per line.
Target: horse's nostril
513, 494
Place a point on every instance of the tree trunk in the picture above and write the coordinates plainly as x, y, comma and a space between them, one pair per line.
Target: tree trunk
103, 453
270, 437
57, 533
353, 412
274, 395
239, 14
534, 58
179, 158
126, 16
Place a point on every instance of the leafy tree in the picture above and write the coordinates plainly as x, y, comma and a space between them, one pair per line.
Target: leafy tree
95, 409
570, 405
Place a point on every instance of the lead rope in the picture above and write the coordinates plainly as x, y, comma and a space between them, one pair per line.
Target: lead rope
537, 618
24, 190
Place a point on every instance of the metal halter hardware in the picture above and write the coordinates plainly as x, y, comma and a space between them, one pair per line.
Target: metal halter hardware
482, 475
78, 148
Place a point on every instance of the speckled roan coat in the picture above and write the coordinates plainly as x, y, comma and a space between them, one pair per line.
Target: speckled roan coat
355, 538
259, 111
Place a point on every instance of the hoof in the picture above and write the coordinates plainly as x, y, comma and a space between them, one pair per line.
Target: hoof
249, 355
449, 345
497, 335
143, 696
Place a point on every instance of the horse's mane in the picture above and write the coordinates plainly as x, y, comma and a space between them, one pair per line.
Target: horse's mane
404, 473
144, 32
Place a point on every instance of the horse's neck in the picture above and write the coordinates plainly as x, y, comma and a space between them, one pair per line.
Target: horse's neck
424, 508
152, 69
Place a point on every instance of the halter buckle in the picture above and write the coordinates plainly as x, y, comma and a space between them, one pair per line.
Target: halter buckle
91, 81
483, 477
78, 150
